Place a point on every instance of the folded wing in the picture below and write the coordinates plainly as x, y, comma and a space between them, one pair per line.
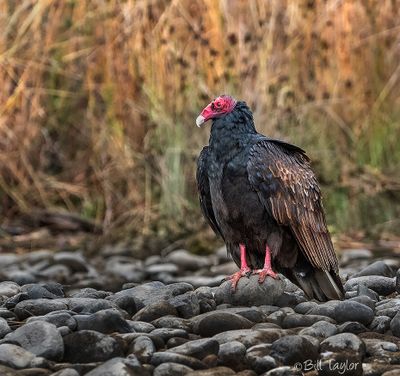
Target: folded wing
280, 173
203, 188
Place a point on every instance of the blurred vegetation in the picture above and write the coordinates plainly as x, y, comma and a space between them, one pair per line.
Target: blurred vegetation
98, 101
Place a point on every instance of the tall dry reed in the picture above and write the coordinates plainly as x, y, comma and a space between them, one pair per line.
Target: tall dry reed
98, 101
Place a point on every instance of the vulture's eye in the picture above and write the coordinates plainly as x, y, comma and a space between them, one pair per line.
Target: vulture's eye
218, 105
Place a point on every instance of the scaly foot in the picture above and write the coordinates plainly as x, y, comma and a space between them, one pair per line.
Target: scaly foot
235, 277
263, 274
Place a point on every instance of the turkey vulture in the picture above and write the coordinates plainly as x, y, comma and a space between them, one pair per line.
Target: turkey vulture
261, 196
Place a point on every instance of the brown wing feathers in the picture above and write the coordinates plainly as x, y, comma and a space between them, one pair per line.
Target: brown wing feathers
289, 189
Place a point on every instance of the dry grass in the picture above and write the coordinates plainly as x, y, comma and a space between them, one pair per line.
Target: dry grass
99, 98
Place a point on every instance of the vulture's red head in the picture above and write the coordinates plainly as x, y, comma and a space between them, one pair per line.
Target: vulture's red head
219, 107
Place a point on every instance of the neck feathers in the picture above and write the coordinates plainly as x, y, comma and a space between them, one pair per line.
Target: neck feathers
245, 115
232, 132
238, 123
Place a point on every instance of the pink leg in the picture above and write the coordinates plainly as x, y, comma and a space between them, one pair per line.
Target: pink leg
244, 269
267, 269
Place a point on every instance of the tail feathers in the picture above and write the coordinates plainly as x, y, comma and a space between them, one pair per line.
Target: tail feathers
321, 285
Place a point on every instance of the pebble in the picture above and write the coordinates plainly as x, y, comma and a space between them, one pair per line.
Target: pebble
313, 340
87, 346
15, 356
87, 305
259, 359
8, 259
231, 354
354, 327
154, 311
35, 291
200, 281
363, 299
171, 357
7, 371
57, 318
126, 269
187, 304
205, 295
66, 372
153, 292
119, 366
8, 288
304, 307
4, 327
381, 349
292, 349
38, 307
39, 337
250, 292
6, 314
141, 326
254, 314
227, 268
90, 293
296, 320
176, 341
211, 323
73, 260
167, 333
325, 309
352, 310
393, 372
55, 288
395, 325
398, 281
186, 260
215, 371
284, 371
277, 317
173, 322
156, 269
143, 347
388, 307
343, 342
290, 299
363, 290
58, 273
21, 277
171, 369
349, 255
105, 321
382, 285
380, 324
249, 337
320, 329
199, 348
376, 268
246, 372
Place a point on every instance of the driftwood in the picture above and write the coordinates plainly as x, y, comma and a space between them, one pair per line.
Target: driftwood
61, 222
47, 229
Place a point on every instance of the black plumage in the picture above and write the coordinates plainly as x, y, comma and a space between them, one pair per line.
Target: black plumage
260, 192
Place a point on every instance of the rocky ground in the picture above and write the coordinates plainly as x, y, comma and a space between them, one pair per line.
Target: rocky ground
63, 314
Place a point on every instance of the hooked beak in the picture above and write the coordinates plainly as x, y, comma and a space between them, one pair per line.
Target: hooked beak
200, 120
205, 115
